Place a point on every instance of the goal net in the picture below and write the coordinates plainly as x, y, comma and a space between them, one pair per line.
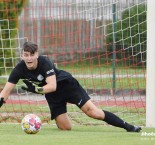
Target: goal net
102, 43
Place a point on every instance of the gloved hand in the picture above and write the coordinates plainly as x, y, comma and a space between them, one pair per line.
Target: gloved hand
1, 102
32, 87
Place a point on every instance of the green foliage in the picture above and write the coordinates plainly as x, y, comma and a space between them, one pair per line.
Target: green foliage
130, 35
9, 12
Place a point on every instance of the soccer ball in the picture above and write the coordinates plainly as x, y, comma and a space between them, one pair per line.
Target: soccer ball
31, 124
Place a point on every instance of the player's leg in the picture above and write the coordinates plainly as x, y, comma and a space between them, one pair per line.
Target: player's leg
63, 122
59, 113
92, 111
77, 95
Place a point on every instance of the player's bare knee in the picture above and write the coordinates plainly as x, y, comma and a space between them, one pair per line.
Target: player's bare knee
65, 128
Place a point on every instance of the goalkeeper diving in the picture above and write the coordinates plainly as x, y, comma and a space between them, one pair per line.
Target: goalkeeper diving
59, 87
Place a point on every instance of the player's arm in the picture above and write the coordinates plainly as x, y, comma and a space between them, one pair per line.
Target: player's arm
6, 92
51, 84
34, 88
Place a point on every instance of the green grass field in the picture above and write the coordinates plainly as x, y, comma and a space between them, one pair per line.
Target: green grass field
80, 135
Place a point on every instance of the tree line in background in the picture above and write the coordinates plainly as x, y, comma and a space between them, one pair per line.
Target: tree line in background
130, 36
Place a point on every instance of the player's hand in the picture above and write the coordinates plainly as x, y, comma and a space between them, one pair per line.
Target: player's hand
1, 102
32, 87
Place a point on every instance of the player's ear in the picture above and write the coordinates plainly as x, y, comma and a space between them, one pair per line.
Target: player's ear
21, 57
37, 54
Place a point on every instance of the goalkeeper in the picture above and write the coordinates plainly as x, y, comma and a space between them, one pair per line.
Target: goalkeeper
40, 76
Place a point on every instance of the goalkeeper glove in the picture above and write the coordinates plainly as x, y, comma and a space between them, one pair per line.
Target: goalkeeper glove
1, 101
32, 87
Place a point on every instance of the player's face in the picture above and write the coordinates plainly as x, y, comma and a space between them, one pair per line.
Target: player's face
31, 60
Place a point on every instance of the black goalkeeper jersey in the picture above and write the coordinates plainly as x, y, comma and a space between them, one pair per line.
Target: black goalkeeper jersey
44, 69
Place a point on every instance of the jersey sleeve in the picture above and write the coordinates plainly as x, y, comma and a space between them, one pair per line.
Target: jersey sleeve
14, 76
49, 68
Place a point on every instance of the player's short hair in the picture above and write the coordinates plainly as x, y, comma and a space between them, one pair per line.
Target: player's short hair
30, 47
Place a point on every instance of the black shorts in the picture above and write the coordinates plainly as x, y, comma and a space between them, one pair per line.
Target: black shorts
68, 90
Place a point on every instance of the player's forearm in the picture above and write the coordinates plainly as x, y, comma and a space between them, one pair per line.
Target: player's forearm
49, 88
6, 90
4, 94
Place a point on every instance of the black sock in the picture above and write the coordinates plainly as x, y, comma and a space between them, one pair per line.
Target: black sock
114, 120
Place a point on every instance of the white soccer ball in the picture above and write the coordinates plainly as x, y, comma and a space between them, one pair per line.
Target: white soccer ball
31, 124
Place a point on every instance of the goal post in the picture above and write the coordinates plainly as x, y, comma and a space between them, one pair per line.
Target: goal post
150, 83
